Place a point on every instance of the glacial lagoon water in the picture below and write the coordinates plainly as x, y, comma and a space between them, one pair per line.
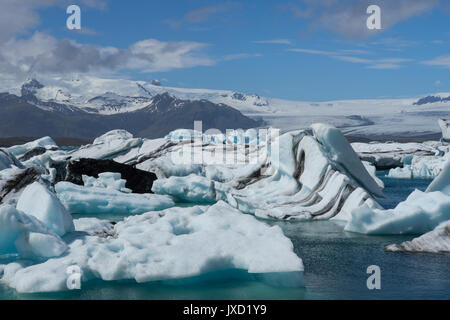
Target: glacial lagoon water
335, 268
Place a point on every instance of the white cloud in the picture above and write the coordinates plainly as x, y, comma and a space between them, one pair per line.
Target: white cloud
348, 18
43, 54
274, 41
237, 56
343, 55
18, 17
442, 61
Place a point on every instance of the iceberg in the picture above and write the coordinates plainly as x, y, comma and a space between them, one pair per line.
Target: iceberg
445, 127
14, 180
435, 241
110, 145
27, 236
108, 180
8, 160
20, 150
421, 212
341, 152
99, 200
391, 155
36, 200
421, 167
299, 176
176, 243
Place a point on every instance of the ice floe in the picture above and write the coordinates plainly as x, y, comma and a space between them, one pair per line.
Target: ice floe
100, 200
36, 200
8, 160
107, 146
445, 127
108, 180
27, 236
421, 212
176, 243
435, 241
20, 150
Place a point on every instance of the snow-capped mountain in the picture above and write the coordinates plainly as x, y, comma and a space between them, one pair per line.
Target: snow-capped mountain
42, 110
111, 96
409, 117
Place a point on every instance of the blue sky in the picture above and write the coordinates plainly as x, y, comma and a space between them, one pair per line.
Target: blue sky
301, 50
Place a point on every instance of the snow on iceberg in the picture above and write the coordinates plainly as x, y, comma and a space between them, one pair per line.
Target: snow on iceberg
421, 212
421, 167
20, 150
107, 146
36, 200
435, 241
176, 243
297, 178
95, 200
444, 124
8, 160
341, 152
14, 180
27, 236
108, 180
391, 155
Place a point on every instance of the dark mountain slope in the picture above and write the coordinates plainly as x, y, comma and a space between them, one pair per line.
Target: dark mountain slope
20, 117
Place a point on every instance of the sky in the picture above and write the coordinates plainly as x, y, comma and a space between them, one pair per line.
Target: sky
313, 50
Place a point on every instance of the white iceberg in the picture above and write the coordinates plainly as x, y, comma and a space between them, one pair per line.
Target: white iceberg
298, 177
27, 236
444, 124
421, 212
176, 243
391, 155
36, 200
341, 152
108, 180
110, 145
421, 167
435, 241
8, 160
20, 150
94, 200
